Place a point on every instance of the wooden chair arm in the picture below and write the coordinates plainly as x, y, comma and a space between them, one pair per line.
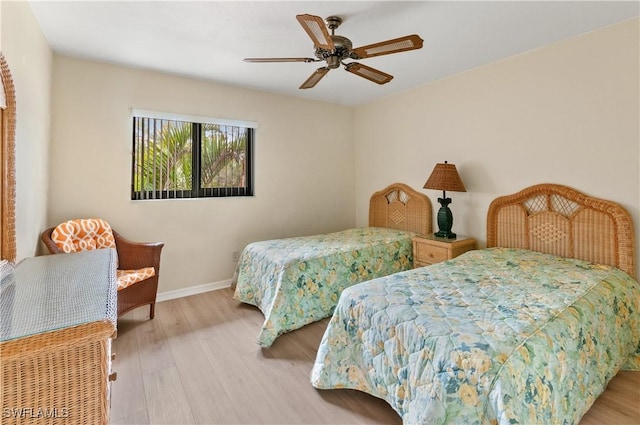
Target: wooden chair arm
136, 255
49, 243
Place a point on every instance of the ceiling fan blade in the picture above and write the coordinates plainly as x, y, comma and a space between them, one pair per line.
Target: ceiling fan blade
369, 73
317, 30
262, 60
314, 78
402, 44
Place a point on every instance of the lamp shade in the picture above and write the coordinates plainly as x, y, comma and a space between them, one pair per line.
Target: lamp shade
445, 177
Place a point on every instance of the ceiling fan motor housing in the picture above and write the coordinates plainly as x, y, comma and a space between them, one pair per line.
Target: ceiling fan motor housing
342, 50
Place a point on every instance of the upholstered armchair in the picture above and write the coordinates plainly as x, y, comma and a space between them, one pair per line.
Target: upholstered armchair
138, 262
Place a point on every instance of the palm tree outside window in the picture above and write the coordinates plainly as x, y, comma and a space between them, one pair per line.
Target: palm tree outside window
190, 157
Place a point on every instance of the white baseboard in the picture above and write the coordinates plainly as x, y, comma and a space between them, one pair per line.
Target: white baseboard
192, 290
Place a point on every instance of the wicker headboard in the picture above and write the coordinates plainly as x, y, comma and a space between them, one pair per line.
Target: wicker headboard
559, 220
400, 207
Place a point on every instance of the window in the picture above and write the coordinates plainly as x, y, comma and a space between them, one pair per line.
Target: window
177, 156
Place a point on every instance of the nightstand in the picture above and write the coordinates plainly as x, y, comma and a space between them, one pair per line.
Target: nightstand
428, 249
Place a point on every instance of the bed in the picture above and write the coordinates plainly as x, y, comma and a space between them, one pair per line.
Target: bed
529, 330
297, 281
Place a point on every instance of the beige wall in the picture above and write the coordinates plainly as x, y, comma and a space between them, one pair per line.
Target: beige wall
304, 177
566, 113
29, 58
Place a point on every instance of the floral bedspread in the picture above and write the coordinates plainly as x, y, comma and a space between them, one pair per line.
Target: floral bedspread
297, 281
494, 336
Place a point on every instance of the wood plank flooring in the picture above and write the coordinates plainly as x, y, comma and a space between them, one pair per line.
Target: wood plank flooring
197, 363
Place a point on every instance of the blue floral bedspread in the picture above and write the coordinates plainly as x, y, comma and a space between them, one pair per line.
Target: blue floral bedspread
494, 336
297, 281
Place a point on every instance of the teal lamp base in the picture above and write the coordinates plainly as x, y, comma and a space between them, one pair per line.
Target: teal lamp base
445, 220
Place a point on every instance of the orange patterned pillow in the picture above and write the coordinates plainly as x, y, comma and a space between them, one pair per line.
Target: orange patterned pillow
83, 235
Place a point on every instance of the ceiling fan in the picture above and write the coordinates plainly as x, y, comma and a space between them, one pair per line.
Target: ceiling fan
334, 49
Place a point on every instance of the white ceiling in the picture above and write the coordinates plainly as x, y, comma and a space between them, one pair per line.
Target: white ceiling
208, 39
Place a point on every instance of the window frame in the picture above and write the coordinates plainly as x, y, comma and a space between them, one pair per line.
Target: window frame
196, 190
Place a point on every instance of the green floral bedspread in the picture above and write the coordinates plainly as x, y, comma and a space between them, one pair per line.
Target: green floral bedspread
494, 336
297, 281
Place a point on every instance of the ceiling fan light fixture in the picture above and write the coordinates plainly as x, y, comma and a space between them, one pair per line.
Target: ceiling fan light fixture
333, 62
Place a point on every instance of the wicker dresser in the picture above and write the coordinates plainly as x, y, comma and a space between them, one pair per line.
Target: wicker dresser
57, 318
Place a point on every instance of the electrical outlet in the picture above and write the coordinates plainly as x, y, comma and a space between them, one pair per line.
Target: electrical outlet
235, 256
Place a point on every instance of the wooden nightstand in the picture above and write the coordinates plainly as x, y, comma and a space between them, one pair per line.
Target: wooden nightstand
427, 249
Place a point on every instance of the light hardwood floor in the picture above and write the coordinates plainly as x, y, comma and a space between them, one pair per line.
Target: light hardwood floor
197, 363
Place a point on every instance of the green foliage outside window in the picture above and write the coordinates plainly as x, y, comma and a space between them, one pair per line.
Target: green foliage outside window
178, 159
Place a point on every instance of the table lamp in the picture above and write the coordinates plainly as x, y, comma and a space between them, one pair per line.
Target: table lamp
445, 177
